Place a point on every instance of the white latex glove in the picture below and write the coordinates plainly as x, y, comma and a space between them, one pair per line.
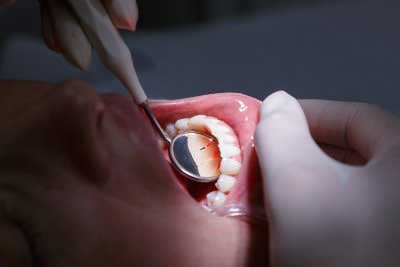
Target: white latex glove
73, 27
327, 212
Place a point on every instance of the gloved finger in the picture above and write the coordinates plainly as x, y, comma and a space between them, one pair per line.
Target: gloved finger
364, 128
108, 43
344, 155
74, 44
283, 138
124, 13
47, 28
307, 193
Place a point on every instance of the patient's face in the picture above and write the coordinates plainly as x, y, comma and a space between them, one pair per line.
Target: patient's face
83, 183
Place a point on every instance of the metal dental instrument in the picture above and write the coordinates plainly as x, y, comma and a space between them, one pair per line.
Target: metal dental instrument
180, 153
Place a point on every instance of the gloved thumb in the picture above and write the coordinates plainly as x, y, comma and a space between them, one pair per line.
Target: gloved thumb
284, 144
305, 195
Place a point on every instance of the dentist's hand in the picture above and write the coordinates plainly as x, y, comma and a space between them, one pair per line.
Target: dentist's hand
327, 212
73, 27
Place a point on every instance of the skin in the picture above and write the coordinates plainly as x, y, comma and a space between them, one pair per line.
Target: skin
76, 187
327, 212
81, 185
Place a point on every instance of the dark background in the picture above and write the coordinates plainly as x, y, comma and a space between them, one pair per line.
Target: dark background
343, 50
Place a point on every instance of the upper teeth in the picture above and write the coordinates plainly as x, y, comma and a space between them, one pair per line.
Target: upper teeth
225, 183
171, 130
182, 124
229, 149
229, 166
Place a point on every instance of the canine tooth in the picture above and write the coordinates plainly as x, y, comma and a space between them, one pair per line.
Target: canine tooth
229, 166
228, 151
171, 130
182, 124
215, 199
225, 183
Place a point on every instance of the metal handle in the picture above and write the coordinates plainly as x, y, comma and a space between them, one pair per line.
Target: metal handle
154, 121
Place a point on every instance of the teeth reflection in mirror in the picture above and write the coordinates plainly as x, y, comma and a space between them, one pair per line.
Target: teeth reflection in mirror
215, 199
229, 166
225, 183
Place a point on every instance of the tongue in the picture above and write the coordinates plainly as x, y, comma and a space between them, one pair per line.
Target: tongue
241, 113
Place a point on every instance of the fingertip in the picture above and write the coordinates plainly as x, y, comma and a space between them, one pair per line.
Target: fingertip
124, 24
69, 38
124, 14
276, 102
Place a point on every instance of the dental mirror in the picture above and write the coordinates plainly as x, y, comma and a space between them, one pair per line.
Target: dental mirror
193, 154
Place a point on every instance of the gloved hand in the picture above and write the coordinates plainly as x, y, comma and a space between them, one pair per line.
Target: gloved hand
72, 27
326, 212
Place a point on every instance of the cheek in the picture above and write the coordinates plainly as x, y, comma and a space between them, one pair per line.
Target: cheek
14, 248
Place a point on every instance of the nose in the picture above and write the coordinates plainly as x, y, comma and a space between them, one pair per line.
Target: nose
78, 96
76, 110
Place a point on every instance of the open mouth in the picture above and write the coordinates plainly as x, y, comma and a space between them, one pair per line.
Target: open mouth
231, 119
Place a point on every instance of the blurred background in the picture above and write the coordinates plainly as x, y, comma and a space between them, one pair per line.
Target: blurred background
342, 50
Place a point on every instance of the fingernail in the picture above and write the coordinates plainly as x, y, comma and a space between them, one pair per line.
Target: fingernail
123, 14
